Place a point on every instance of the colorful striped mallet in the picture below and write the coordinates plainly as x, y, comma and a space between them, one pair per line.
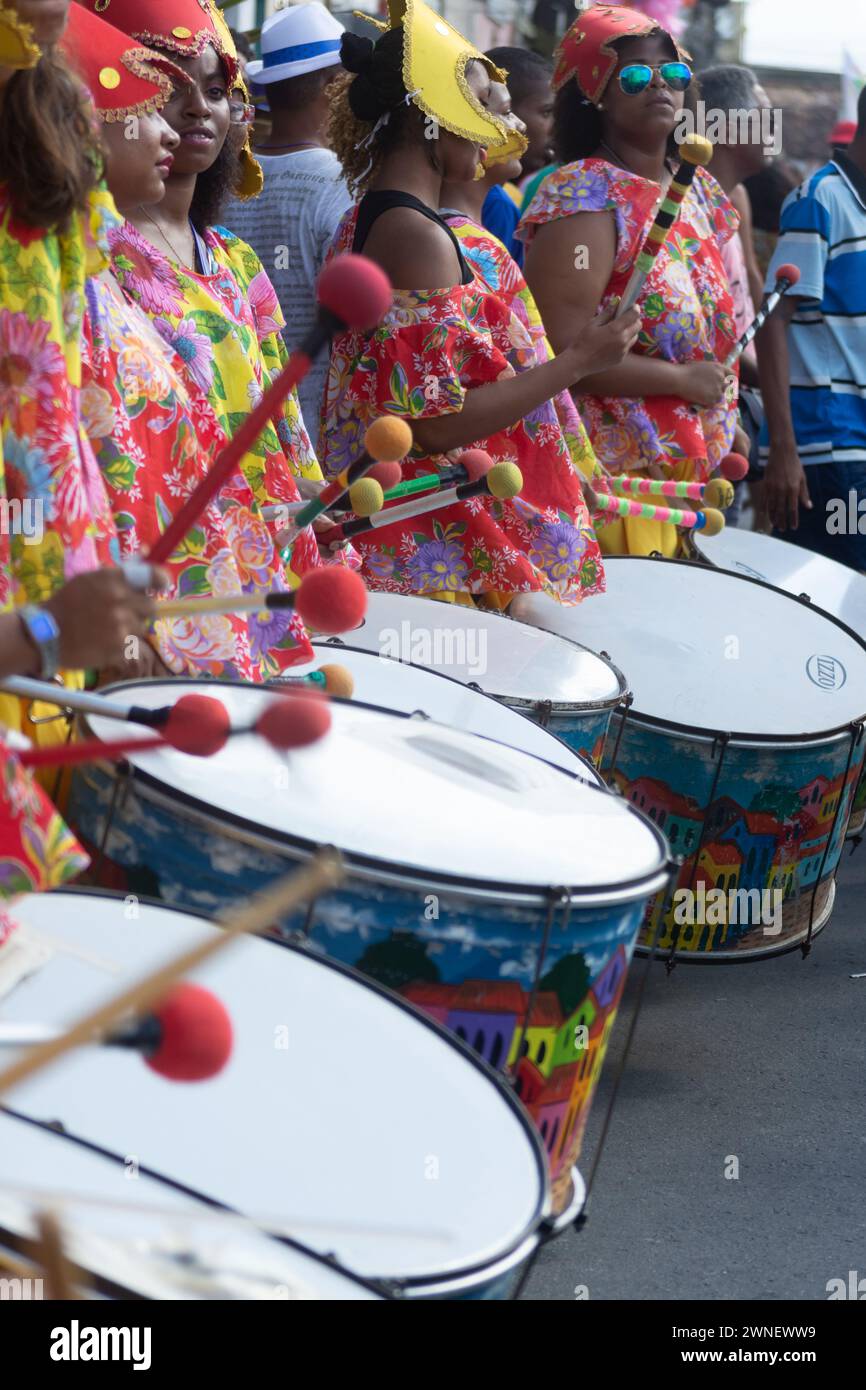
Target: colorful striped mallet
472, 464
786, 276
502, 482
387, 440
695, 150
718, 492
710, 521
352, 292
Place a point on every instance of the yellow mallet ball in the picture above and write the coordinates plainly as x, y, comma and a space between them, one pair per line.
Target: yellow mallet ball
714, 523
388, 439
366, 497
719, 493
504, 480
338, 681
696, 149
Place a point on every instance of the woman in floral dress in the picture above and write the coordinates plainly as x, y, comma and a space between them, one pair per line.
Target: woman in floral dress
493, 263
146, 412
204, 289
669, 410
451, 357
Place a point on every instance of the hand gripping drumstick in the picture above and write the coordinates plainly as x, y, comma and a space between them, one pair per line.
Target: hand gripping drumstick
353, 293
387, 440
503, 481
259, 914
786, 276
695, 150
718, 492
710, 521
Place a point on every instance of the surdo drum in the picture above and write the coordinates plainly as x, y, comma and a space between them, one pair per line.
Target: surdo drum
500, 893
744, 745
344, 1119
564, 687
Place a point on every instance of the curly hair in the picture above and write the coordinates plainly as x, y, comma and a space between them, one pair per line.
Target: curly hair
372, 87
216, 185
50, 155
578, 126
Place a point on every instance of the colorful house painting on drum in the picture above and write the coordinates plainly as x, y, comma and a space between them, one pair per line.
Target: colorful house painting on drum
780, 841
554, 1057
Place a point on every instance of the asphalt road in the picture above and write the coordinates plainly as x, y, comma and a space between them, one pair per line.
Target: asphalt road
763, 1063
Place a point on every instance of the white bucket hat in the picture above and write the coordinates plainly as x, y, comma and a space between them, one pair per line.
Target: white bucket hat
300, 39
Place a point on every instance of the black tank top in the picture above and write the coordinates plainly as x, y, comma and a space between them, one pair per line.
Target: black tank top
373, 204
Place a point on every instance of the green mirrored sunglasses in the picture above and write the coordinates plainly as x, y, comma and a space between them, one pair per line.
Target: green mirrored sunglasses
636, 77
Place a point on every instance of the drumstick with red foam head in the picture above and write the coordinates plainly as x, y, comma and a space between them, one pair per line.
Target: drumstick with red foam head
471, 465
330, 600
734, 467
198, 725
694, 150
187, 1036
786, 276
387, 441
352, 292
502, 482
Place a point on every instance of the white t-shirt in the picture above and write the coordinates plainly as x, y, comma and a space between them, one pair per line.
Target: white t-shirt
290, 226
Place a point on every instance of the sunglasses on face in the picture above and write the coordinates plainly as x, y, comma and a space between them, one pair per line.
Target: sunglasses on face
636, 77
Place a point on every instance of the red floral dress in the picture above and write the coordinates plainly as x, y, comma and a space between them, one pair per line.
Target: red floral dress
433, 347
686, 308
225, 328
155, 435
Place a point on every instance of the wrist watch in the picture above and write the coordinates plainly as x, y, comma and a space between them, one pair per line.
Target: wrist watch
44, 633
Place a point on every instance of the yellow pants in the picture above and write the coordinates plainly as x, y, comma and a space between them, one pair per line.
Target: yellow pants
494, 598
632, 535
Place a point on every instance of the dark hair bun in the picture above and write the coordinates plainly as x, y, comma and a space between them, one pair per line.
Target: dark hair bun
356, 52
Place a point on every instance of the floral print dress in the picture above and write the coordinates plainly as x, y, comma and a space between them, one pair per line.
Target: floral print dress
57, 518
155, 435
225, 328
433, 347
687, 316
495, 265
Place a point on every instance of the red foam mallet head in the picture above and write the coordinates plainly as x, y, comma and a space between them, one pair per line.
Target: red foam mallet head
293, 720
476, 462
355, 290
196, 1038
387, 474
197, 724
332, 599
788, 272
734, 467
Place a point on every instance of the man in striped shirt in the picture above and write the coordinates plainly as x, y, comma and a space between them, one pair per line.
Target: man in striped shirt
813, 363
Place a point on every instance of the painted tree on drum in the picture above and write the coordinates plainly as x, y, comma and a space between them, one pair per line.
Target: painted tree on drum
569, 980
399, 961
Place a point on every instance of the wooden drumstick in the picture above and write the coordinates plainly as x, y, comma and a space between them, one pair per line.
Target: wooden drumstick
260, 913
52, 1257
695, 150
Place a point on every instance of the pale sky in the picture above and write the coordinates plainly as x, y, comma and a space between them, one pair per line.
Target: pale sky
805, 33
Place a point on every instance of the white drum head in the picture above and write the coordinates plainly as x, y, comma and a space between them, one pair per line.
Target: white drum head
342, 1116
502, 657
410, 689
141, 1235
837, 589
716, 652
444, 804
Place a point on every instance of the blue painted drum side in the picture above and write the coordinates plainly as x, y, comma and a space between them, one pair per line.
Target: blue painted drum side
773, 827
470, 962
